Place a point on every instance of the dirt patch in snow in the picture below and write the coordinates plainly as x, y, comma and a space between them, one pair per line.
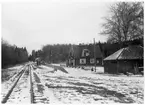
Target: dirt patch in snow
40, 88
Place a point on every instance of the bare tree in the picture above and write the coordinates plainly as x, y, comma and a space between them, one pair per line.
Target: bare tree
125, 22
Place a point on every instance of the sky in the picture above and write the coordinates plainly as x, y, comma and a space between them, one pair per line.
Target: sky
33, 25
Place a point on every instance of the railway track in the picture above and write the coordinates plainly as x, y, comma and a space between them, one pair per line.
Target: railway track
22, 88
31, 85
26, 87
39, 92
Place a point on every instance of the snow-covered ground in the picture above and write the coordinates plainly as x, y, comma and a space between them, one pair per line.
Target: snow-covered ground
76, 86
10, 72
80, 86
21, 93
9, 76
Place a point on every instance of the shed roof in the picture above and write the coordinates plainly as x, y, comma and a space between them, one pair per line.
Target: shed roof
129, 53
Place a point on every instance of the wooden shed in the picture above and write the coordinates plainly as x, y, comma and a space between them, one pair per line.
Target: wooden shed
127, 59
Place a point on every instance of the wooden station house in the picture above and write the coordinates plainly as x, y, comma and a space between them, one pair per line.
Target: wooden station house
83, 55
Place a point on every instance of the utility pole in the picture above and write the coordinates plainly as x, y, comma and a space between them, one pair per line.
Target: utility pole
50, 56
95, 54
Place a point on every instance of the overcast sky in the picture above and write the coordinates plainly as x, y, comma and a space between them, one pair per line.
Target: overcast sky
36, 24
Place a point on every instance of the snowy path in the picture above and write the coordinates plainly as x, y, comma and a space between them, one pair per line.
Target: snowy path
84, 87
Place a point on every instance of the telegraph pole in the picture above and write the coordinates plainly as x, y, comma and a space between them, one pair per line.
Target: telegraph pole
95, 54
50, 56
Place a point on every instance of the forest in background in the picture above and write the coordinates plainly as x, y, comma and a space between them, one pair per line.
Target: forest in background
60, 52
56, 53
12, 54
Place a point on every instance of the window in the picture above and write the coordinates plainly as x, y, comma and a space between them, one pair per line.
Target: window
85, 52
82, 61
92, 61
97, 61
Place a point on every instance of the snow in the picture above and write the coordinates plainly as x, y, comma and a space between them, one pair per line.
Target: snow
10, 72
8, 81
84, 86
21, 92
79, 86
16, 67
